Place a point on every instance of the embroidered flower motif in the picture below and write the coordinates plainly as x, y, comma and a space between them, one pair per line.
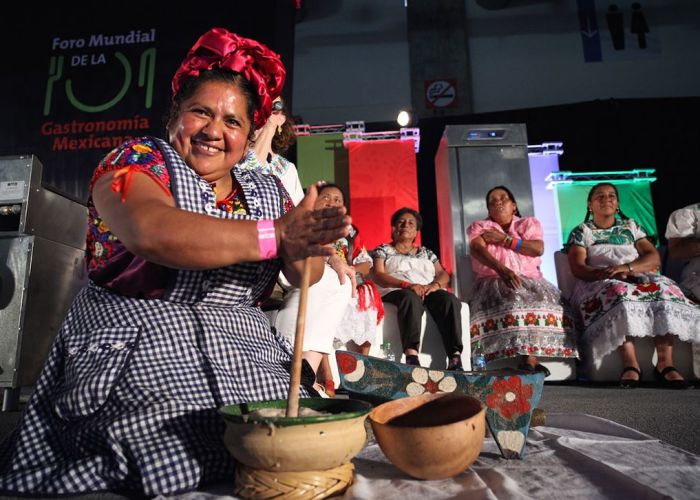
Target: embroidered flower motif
508, 352
509, 320
614, 291
548, 351
350, 367
490, 325
530, 319
101, 226
431, 381
675, 291
646, 288
342, 249
551, 320
566, 322
510, 397
474, 330
141, 148
99, 249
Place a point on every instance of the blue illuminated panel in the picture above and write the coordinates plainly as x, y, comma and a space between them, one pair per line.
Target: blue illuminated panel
485, 135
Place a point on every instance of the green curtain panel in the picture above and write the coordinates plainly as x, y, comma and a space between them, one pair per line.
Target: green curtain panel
322, 157
635, 202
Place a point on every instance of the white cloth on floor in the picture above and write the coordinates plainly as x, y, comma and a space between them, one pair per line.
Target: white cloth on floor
575, 456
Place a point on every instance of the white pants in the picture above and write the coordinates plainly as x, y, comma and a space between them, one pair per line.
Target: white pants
326, 304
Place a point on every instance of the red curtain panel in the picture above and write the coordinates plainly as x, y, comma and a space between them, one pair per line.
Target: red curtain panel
382, 179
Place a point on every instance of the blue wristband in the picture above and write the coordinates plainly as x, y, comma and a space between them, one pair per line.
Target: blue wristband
518, 245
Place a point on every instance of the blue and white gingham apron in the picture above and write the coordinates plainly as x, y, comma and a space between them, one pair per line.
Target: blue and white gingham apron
127, 400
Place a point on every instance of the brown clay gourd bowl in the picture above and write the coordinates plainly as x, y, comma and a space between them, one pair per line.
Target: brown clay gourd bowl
281, 444
430, 436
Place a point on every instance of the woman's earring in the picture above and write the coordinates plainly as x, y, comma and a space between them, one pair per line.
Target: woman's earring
279, 129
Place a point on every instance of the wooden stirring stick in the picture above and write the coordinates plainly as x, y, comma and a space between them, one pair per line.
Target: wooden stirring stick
295, 380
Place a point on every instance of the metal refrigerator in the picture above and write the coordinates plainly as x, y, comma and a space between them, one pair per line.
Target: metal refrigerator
42, 248
471, 159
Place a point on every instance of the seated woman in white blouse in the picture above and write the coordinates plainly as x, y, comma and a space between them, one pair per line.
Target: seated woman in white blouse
412, 278
620, 294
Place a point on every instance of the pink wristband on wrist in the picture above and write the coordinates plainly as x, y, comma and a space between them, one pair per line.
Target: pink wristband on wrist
267, 242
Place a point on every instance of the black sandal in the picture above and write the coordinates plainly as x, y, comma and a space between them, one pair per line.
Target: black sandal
455, 363
629, 383
669, 384
543, 369
527, 367
412, 359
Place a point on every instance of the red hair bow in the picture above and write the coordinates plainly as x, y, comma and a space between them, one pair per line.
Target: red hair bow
219, 48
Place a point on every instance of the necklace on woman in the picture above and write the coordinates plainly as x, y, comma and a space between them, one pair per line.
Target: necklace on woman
404, 252
604, 225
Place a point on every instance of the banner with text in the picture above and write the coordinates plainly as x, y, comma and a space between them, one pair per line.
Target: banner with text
77, 85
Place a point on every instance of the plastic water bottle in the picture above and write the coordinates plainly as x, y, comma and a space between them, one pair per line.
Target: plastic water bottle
387, 352
478, 358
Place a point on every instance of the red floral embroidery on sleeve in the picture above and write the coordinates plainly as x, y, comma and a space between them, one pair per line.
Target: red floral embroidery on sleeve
139, 155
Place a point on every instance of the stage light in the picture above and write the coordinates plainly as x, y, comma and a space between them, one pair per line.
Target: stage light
405, 118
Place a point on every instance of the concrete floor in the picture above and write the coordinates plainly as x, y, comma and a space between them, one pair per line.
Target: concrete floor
669, 415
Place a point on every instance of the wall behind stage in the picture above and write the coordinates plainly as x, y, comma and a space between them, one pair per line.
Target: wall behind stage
74, 83
353, 57
597, 135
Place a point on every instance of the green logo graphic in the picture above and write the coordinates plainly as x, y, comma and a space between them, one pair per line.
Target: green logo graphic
147, 65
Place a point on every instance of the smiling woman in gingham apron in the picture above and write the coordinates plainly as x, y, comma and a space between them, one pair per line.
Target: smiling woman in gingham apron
181, 248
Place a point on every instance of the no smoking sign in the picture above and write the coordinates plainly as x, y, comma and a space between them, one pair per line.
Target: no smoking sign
441, 93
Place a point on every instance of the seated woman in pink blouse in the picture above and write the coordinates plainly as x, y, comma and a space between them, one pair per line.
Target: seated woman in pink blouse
514, 310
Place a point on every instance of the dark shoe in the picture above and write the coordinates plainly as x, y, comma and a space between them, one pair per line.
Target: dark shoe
669, 384
455, 363
527, 367
630, 383
412, 359
543, 369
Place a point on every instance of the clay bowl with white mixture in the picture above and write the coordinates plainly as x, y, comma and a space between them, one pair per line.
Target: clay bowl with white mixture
327, 433
430, 436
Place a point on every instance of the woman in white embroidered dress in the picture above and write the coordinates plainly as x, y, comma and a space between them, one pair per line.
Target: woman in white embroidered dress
620, 295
